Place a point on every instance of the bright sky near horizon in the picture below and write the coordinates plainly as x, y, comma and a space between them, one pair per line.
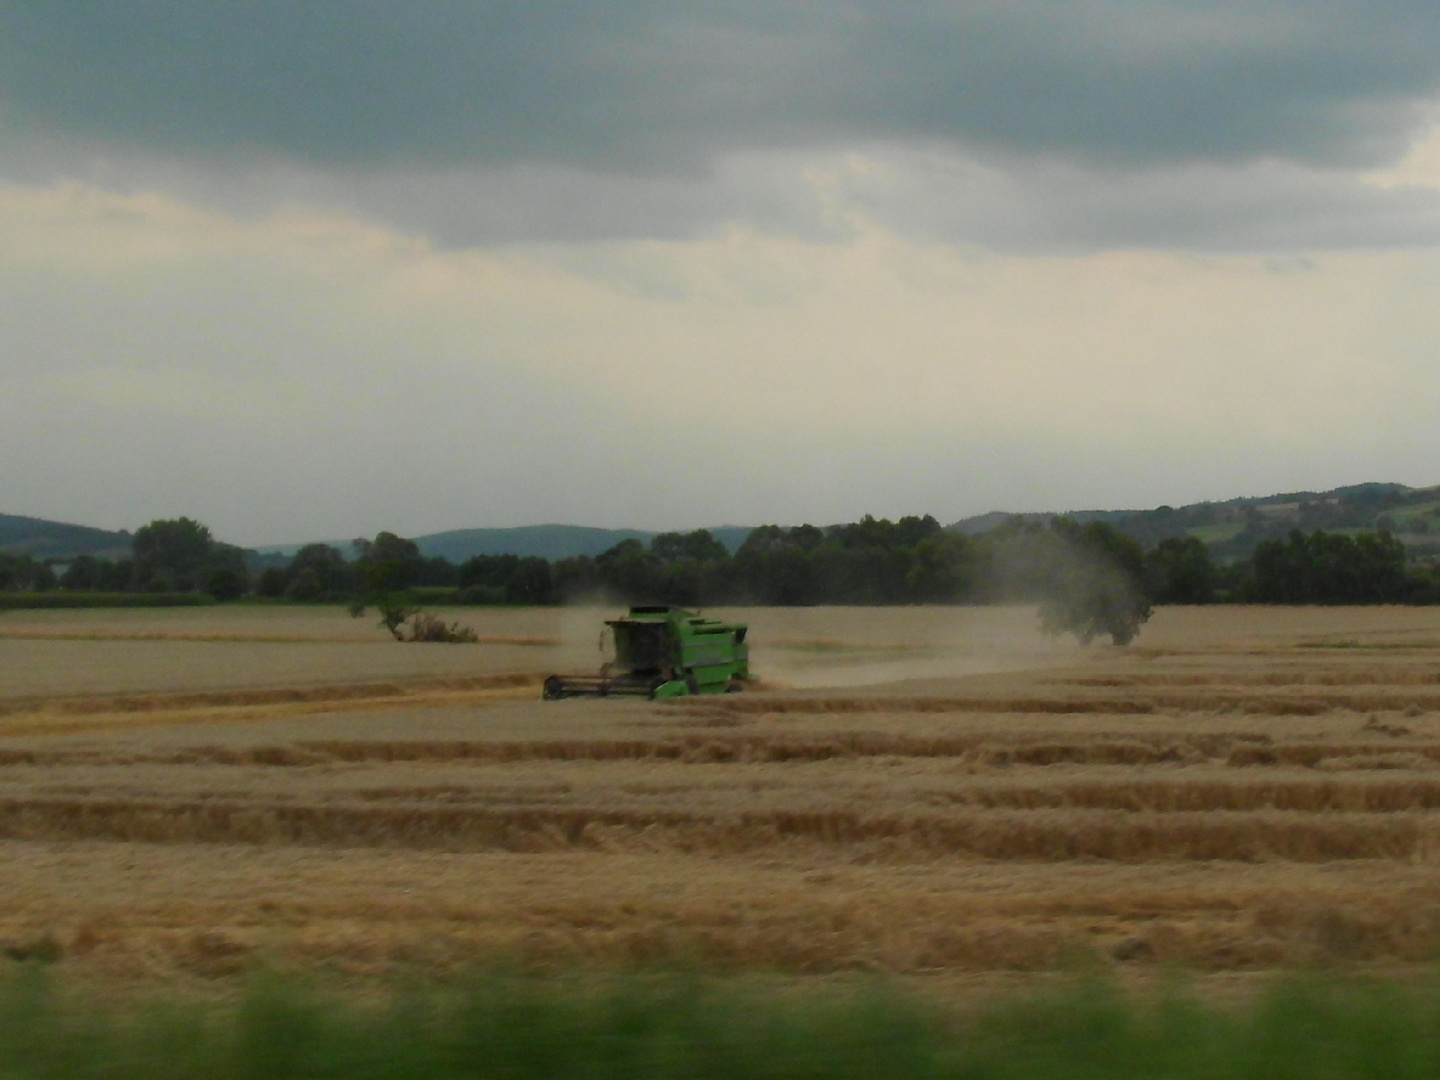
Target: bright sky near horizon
315, 270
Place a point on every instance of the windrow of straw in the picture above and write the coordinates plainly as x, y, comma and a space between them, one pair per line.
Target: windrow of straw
338, 694
1052, 836
801, 930
1354, 676
986, 748
7, 634
990, 748
822, 938
1170, 796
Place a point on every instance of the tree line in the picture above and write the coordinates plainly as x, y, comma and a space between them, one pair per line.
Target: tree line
167, 556
914, 560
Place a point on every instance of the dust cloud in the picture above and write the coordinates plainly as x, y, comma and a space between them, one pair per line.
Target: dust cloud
814, 648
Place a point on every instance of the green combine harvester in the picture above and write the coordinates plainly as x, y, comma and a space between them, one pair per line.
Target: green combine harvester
664, 652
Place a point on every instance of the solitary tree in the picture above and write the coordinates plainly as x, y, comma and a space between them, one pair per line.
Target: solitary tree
1098, 587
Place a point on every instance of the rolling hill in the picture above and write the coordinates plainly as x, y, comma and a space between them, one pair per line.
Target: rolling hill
547, 541
1233, 528
43, 539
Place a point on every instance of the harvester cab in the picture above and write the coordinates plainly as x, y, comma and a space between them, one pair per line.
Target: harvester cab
664, 652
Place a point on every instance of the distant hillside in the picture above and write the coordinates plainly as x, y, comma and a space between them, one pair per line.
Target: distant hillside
42, 539
547, 541
983, 523
1233, 528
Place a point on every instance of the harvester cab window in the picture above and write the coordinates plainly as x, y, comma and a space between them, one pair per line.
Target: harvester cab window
642, 646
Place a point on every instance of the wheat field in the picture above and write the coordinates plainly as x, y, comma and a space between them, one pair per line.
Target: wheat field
932, 792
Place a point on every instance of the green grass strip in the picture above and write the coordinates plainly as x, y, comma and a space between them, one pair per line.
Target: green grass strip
639, 1028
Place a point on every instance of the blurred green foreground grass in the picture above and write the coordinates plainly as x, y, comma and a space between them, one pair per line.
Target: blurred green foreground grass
641, 1027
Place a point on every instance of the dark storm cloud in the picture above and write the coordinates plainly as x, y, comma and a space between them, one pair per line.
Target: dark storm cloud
1058, 207
379, 82
1147, 82
645, 85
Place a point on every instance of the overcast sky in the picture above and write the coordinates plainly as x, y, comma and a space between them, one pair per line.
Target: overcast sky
318, 269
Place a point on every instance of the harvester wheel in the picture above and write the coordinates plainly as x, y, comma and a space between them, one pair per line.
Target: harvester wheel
734, 688
692, 684
554, 689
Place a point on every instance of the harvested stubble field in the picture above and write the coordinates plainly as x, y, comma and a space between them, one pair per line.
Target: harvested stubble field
937, 792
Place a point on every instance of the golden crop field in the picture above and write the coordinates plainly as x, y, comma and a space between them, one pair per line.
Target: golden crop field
938, 792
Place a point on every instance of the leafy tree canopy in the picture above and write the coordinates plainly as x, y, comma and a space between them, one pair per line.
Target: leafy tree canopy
1099, 587
180, 555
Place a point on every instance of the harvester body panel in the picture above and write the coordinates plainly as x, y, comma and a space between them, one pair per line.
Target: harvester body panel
663, 651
